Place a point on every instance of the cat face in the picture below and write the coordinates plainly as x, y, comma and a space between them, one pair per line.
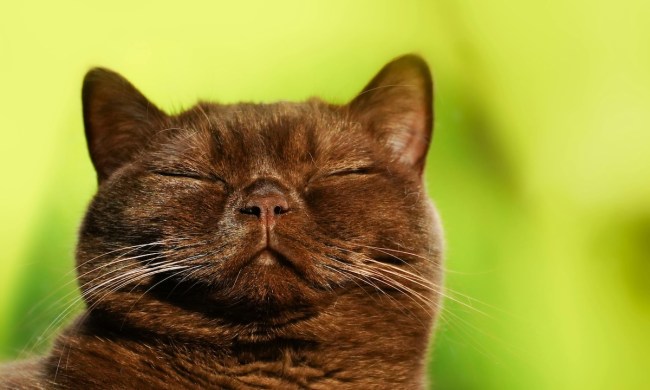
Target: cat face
257, 209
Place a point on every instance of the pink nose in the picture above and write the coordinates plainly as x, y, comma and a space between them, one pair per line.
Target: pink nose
266, 208
267, 204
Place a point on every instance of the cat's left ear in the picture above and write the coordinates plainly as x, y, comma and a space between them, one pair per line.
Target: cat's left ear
119, 120
397, 107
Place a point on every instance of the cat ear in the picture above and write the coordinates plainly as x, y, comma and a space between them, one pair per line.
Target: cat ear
118, 120
396, 106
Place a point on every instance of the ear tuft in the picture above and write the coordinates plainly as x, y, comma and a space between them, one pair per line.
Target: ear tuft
118, 120
396, 106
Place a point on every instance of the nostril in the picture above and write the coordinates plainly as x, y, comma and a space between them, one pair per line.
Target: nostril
277, 210
251, 210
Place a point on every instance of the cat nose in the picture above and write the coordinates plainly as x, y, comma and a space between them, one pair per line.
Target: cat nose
265, 206
267, 202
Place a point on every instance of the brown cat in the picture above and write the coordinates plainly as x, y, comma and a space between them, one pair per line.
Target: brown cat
284, 246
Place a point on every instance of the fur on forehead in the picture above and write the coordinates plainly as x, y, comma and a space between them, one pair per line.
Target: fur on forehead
312, 129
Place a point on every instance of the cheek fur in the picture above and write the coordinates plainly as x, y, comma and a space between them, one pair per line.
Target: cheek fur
363, 208
174, 207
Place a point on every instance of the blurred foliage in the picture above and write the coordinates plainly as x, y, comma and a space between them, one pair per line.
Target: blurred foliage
539, 166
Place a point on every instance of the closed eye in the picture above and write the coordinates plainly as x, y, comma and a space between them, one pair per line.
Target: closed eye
352, 171
342, 174
189, 175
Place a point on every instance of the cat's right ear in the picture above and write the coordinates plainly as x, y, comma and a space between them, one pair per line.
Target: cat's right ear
397, 108
118, 120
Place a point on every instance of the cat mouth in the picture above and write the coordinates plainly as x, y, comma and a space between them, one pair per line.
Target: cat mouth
269, 258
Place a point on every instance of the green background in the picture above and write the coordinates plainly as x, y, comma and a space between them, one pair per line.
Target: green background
539, 165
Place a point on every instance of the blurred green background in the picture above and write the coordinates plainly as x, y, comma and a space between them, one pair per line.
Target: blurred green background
540, 163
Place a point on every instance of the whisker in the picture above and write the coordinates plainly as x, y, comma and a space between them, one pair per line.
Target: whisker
440, 291
174, 274
114, 281
383, 293
74, 280
405, 290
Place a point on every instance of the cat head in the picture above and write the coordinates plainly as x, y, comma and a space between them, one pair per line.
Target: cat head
241, 211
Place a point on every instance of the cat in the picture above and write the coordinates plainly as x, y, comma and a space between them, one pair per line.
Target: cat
283, 246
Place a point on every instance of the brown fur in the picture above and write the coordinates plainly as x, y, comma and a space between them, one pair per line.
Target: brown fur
192, 282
